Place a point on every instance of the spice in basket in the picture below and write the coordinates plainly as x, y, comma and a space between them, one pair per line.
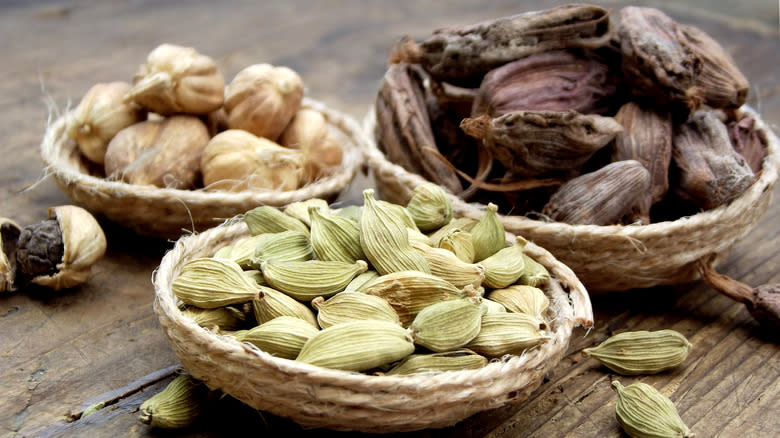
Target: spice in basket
57, 253
350, 315
590, 92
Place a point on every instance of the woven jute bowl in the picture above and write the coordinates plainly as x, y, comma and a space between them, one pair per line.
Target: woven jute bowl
616, 257
169, 213
326, 398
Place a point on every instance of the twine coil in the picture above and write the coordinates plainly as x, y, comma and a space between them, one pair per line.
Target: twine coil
169, 213
615, 257
340, 400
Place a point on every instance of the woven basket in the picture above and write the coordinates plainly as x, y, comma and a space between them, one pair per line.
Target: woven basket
616, 257
319, 397
169, 213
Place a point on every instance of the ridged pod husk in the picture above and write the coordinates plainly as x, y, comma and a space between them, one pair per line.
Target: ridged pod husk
271, 303
430, 207
403, 124
256, 275
334, 237
461, 223
99, 116
504, 267
408, 292
447, 325
446, 265
658, 62
460, 243
263, 99
542, 143
308, 132
221, 318
488, 235
161, 152
270, 219
283, 336
177, 406
242, 250
522, 299
352, 306
178, 79
557, 80
748, 141
236, 160
534, 273
507, 333
492, 306
385, 241
641, 352
300, 209
643, 412
357, 345
601, 197
646, 138
284, 246
309, 279
359, 283
456, 360
208, 283
461, 55
707, 169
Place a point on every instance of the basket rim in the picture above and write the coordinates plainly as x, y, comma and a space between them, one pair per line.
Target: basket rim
55, 165
187, 247
769, 175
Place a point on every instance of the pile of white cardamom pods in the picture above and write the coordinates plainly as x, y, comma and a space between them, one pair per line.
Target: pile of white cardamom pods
375, 288
179, 125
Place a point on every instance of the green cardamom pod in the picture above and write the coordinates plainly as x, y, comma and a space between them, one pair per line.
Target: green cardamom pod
521, 298
208, 283
447, 325
643, 412
457, 360
504, 267
309, 279
492, 306
446, 265
384, 239
177, 406
334, 237
352, 212
283, 336
461, 223
429, 207
357, 345
270, 219
241, 251
223, 318
408, 292
256, 275
352, 306
359, 283
400, 212
300, 209
271, 303
507, 333
488, 234
460, 243
641, 352
284, 246
534, 273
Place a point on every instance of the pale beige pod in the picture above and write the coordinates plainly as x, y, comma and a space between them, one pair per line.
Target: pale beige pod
99, 116
263, 99
237, 160
84, 244
178, 79
308, 132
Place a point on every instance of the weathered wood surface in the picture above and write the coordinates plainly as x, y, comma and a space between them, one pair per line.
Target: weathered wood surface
101, 342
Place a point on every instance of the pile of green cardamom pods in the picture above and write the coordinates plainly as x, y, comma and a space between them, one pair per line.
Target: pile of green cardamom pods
374, 288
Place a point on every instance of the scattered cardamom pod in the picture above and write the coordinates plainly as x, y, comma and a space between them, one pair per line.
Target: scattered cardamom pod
643, 412
357, 345
309, 279
429, 206
352, 306
209, 283
641, 352
283, 336
177, 406
447, 325
457, 360
384, 239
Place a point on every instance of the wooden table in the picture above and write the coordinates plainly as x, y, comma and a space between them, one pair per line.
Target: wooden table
101, 342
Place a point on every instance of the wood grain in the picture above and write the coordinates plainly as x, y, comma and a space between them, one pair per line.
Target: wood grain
62, 352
